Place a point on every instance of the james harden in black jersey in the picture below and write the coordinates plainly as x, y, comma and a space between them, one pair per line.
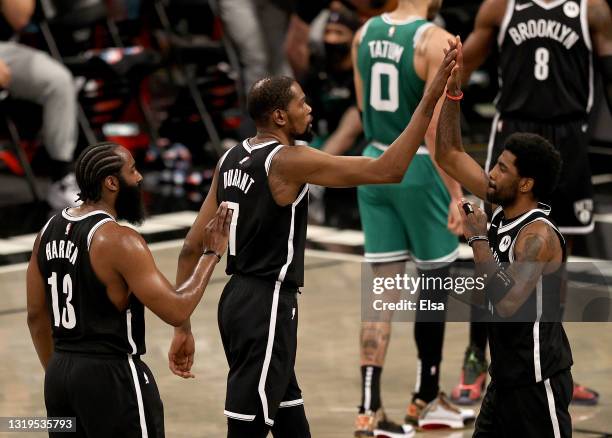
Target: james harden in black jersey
88, 281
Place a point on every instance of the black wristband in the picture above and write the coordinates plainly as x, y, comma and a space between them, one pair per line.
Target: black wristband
475, 238
499, 285
211, 252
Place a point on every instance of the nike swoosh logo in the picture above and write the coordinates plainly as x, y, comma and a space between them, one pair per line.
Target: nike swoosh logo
523, 6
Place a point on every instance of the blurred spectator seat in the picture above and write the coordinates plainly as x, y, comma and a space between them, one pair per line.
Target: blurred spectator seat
191, 38
12, 144
111, 74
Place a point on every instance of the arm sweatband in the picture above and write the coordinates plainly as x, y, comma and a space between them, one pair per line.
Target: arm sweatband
499, 285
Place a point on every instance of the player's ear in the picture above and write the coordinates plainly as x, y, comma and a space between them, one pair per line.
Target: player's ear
111, 182
279, 117
526, 185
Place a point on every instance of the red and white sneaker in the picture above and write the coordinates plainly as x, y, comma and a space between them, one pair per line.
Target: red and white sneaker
473, 378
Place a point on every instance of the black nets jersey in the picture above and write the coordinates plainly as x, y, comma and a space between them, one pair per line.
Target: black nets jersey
527, 352
545, 65
266, 240
83, 318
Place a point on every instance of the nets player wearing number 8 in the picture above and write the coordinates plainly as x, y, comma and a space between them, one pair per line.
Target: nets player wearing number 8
88, 281
265, 181
546, 85
546, 49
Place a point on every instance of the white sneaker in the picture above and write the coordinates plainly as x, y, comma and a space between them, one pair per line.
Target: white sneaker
64, 193
442, 413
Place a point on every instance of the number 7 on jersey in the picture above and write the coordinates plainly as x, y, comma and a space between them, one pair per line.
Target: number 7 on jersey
235, 207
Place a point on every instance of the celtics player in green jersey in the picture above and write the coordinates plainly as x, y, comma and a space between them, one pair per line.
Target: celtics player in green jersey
395, 56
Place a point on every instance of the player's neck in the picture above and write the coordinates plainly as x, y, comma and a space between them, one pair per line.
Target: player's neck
521, 205
409, 9
88, 207
264, 134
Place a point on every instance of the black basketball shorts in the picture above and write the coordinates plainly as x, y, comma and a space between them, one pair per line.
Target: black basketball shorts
258, 323
110, 397
572, 201
539, 410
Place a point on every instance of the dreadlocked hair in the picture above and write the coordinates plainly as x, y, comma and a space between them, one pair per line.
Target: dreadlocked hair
95, 163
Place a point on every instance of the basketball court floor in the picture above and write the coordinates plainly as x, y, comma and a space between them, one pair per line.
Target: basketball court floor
327, 362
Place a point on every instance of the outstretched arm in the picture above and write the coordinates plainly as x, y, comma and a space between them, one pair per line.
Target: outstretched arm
117, 250
299, 165
450, 154
432, 45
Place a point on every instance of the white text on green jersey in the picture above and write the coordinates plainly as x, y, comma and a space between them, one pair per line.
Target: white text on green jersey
385, 49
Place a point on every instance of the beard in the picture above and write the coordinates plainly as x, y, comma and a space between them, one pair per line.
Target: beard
503, 197
305, 136
129, 205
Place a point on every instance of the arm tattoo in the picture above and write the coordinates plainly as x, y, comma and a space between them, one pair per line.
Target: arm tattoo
448, 135
532, 247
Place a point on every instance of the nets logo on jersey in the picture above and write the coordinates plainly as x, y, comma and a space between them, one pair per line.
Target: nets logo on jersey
584, 210
571, 9
505, 243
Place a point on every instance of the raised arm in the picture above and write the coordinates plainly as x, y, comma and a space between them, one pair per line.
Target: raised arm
39, 321
299, 165
120, 251
450, 154
431, 47
479, 43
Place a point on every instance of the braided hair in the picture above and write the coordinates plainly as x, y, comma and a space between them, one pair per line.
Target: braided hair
95, 163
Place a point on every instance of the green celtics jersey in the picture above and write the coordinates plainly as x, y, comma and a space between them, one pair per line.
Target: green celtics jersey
391, 87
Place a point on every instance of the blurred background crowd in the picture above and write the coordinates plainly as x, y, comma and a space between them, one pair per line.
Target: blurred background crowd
168, 78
